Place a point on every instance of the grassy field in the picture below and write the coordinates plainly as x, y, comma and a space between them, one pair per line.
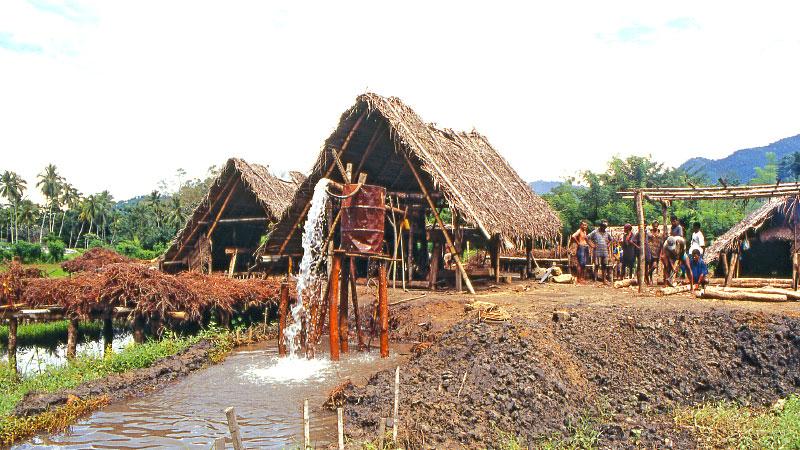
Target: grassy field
49, 334
51, 269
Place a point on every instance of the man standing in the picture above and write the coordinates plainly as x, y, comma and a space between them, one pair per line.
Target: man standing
654, 250
697, 273
582, 251
698, 240
673, 254
630, 250
677, 228
600, 241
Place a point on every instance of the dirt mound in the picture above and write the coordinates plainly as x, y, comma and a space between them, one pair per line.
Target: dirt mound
537, 376
93, 259
128, 384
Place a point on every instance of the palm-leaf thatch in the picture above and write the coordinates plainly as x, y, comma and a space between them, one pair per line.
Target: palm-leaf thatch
731, 239
254, 191
473, 178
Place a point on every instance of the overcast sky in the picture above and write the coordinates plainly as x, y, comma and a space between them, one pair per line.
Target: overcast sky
120, 94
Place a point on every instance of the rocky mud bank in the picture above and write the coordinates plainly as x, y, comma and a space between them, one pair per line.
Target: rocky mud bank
537, 378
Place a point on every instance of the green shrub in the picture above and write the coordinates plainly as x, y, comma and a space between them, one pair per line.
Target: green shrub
6, 253
132, 249
27, 251
55, 249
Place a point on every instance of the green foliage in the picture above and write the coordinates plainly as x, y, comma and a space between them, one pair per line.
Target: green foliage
767, 174
55, 250
132, 249
28, 252
728, 425
789, 167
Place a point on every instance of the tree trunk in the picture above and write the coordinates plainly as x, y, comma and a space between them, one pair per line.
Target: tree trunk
61, 227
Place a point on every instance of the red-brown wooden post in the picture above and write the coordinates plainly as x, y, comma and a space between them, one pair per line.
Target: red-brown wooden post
333, 305
283, 312
383, 307
344, 297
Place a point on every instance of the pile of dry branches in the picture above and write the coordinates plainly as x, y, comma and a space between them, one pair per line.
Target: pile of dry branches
13, 280
94, 259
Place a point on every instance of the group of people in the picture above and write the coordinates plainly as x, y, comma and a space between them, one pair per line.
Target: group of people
670, 249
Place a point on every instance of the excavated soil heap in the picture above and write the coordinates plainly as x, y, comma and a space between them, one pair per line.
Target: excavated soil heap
535, 377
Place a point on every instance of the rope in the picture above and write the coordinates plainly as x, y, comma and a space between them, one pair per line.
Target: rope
342, 197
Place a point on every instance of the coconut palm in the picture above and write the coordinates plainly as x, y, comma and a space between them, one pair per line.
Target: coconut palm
12, 187
177, 216
49, 183
70, 199
27, 216
87, 214
105, 205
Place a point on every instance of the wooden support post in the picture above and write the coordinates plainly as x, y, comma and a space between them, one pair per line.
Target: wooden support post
664, 233
528, 257
441, 224
381, 433
396, 403
410, 252
138, 329
306, 426
108, 334
232, 266
283, 312
458, 236
434, 270
72, 338
732, 266
12, 344
219, 443
383, 308
344, 323
497, 246
333, 305
723, 259
233, 426
642, 239
340, 427
356, 313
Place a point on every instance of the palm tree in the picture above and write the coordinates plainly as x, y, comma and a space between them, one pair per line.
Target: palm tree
154, 201
70, 199
12, 187
105, 205
27, 215
87, 214
177, 216
49, 183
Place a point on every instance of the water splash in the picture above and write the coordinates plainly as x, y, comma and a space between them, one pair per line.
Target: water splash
290, 369
311, 276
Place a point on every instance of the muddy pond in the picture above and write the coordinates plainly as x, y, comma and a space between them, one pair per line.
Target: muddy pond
266, 391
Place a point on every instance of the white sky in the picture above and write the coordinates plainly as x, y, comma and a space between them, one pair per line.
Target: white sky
120, 94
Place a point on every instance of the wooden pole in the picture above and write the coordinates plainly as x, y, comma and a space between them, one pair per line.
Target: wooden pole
434, 268
344, 313
673, 290
108, 334
497, 245
381, 433
732, 268
340, 426
138, 329
12, 344
383, 306
306, 426
72, 338
283, 313
219, 443
356, 313
739, 295
410, 252
333, 305
664, 234
396, 403
432, 205
233, 426
642, 239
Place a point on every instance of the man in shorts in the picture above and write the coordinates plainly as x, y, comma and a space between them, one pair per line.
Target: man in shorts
600, 242
654, 243
582, 251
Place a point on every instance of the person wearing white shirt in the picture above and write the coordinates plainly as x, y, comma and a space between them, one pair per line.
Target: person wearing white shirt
697, 238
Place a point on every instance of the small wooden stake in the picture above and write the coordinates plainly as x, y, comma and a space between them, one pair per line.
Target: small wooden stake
108, 334
233, 426
219, 443
333, 305
396, 403
381, 433
283, 312
383, 310
306, 426
340, 426
12, 344
72, 338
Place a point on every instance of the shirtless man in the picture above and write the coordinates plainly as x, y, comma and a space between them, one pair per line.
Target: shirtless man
582, 252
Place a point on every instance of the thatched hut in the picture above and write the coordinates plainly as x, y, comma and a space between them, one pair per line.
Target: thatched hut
226, 227
461, 171
770, 237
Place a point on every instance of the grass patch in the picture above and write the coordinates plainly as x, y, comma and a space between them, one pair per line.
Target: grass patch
49, 334
727, 424
15, 428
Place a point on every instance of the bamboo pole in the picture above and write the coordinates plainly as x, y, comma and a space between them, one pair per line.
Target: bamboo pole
344, 313
396, 403
283, 313
383, 306
381, 433
731, 268
333, 305
642, 239
72, 338
233, 426
441, 224
739, 295
673, 290
12, 344
306, 426
340, 426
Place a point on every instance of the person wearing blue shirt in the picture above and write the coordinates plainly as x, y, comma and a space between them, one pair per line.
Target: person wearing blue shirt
697, 272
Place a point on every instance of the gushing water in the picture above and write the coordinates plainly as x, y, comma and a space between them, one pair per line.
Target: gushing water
289, 370
311, 277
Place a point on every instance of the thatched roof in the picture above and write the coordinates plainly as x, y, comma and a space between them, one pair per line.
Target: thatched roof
272, 194
731, 239
471, 175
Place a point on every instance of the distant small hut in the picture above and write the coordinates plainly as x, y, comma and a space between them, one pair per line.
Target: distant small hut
765, 240
423, 166
227, 226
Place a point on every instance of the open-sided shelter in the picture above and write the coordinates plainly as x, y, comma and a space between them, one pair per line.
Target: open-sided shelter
226, 227
422, 167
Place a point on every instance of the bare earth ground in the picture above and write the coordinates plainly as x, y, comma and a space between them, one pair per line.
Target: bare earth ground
574, 352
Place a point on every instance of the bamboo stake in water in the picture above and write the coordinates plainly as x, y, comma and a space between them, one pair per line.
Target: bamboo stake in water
219, 444
306, 426
340, 420
233, 426
396, 403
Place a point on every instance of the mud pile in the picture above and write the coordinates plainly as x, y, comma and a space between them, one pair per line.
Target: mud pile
536, 376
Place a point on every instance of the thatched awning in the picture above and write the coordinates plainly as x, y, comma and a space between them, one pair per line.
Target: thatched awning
731, 239
473, 178
271, 194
